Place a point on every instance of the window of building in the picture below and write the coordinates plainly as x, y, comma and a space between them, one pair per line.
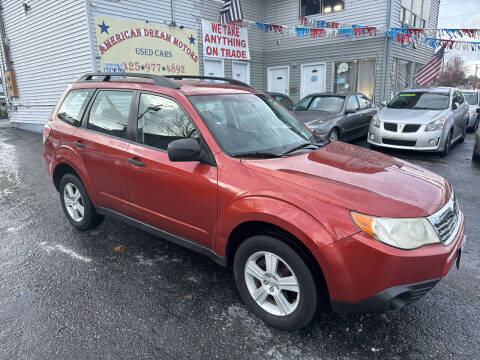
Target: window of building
74, 105
357, 75
109, 112
161, 121
315, 7
403, 75
415, 13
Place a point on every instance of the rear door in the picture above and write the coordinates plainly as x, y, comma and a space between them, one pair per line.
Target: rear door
102, 144
177, 197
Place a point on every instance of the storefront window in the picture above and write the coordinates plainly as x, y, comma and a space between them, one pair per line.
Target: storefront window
355, 76
403, 75
315, 7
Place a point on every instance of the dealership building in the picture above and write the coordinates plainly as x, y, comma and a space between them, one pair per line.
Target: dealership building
48, 44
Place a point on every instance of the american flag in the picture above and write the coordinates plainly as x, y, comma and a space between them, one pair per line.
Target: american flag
430, 70
231, 11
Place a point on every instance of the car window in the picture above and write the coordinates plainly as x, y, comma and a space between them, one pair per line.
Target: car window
303, 104
420, 100
471, 98
364, 102
73, 106
351, 103
109, 112
161, 121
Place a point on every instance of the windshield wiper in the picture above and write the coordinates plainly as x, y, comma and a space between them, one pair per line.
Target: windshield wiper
258, 154
300, 147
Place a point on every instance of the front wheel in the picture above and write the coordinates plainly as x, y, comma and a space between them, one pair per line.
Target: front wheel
275, 282
448, 144
334, 134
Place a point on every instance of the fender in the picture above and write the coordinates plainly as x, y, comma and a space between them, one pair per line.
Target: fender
276, 212
66, 155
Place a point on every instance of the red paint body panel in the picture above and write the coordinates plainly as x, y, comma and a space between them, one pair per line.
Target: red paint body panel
309, 195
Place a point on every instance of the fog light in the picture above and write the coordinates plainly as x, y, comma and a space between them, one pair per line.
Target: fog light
372, 137
433, 142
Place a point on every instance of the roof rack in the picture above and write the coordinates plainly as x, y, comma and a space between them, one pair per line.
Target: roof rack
230, 81
106, 76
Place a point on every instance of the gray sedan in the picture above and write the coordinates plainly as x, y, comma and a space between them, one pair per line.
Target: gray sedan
338, 117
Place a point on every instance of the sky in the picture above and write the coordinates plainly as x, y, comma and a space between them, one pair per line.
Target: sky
461, 14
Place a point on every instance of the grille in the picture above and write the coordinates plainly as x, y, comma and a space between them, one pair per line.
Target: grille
411, 128
410, 143
390, 126
447, 220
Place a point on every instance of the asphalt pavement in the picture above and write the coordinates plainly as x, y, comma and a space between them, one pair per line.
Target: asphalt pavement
117, 292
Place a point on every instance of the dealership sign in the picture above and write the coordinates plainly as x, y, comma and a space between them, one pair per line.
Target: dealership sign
224, 41
126, 45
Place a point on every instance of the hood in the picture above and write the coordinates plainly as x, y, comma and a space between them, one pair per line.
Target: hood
411, 116
311, 117
362, 180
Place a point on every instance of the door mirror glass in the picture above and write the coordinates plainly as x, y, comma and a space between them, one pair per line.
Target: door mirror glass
187, 149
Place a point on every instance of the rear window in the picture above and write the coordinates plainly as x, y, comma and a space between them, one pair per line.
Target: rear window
74, 105
420, 100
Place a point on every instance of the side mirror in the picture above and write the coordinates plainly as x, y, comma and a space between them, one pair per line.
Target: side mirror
455, 105
187, 149
350, 111
383, 103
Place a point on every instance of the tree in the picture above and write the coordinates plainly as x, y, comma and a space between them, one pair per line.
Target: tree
452, 72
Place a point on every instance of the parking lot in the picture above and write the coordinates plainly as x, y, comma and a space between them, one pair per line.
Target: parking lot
118, 292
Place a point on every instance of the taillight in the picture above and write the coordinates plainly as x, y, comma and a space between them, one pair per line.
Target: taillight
46, 132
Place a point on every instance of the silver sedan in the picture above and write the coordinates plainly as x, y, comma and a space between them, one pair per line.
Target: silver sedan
425, 119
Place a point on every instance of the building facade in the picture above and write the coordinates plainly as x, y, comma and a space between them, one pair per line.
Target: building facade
51, 43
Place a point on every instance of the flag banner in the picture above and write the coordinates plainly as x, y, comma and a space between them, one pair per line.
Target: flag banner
231, 11
430, 70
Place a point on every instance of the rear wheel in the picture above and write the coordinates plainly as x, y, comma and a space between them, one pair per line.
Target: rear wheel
275, 282
77, 205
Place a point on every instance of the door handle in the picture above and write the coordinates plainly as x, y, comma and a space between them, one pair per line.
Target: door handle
136, 162
79, 144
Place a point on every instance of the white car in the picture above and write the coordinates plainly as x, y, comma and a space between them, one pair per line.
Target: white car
473, 99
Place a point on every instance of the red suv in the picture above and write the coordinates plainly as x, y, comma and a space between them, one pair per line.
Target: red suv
224, 170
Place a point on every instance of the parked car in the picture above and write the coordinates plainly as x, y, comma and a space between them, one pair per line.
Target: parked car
473, 99
334, 116
424, 119
224, 170
282, 99
476, 149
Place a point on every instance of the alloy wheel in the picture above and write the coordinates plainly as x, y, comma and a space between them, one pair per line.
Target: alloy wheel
74, 202
272, 283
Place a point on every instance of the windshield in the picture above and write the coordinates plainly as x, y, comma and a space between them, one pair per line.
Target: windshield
420, 101
322, 103
250, 124
472, 98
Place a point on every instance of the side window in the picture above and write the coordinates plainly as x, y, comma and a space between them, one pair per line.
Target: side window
161, 121
352, 103
364, 102
73, 106
109, 112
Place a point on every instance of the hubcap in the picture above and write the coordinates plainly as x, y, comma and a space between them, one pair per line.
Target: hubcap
73, 202
272, 283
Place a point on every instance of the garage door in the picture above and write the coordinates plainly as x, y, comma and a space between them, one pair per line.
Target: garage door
312, 79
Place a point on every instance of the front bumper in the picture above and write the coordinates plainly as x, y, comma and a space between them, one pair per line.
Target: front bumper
365, 275
419, 140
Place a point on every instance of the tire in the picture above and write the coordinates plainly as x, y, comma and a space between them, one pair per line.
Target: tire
333, 134
74, 197
301, 305
448, 144
475, 126
462, 139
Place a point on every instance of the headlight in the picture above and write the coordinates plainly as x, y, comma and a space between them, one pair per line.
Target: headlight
436, 125
375, 121
403, 233
472, 112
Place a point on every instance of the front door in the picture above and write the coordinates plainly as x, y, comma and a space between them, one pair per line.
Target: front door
351, 121
177, 197
241, 71
278, 80
313, 79
213, 67
102, 145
